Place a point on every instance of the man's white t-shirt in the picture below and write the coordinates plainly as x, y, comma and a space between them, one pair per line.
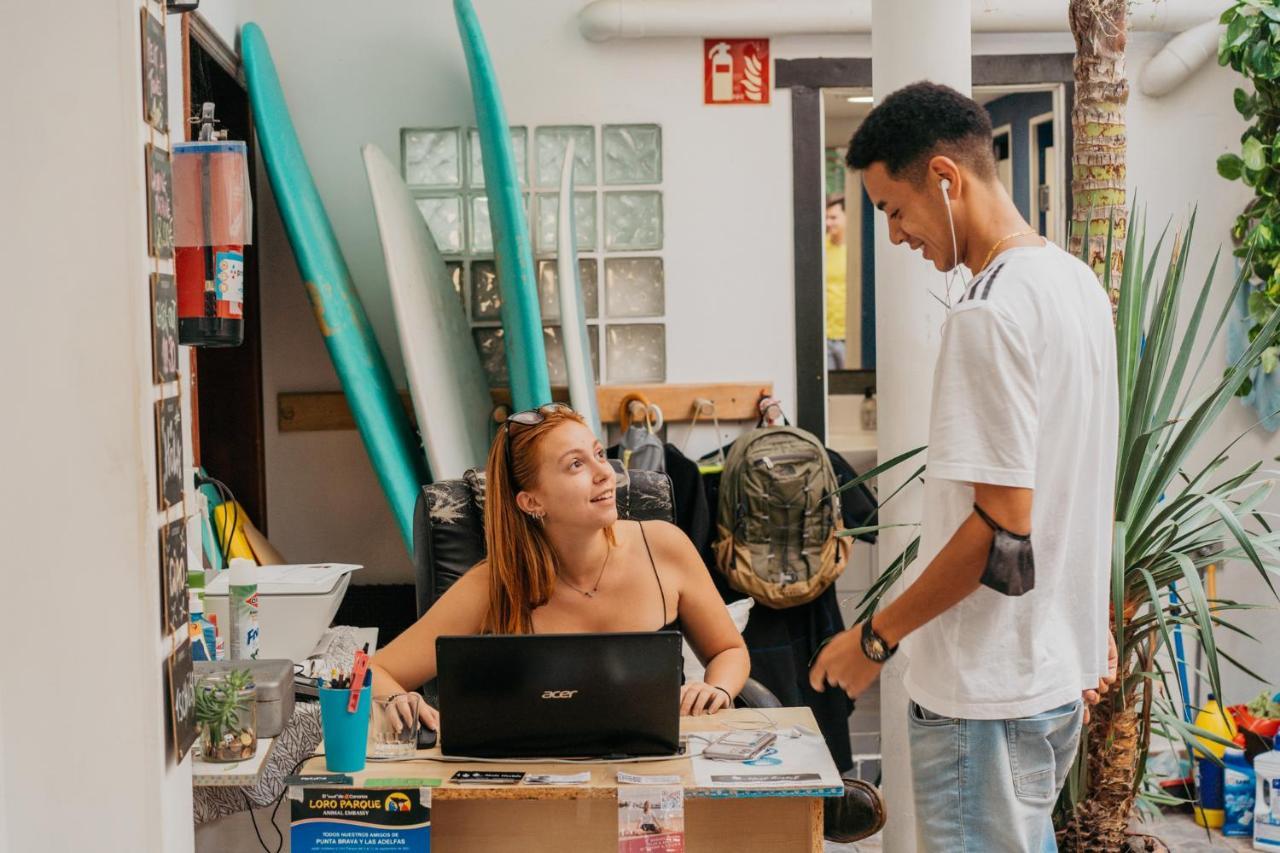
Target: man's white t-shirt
1025, 395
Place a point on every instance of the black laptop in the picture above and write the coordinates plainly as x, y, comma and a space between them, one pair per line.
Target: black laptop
559, 695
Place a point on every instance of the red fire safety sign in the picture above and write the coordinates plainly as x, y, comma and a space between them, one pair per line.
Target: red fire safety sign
735, 71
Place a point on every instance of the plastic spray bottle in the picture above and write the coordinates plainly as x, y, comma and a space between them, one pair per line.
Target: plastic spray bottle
242, 600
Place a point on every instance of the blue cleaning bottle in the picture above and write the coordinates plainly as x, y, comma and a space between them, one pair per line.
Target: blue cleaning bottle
1237, 794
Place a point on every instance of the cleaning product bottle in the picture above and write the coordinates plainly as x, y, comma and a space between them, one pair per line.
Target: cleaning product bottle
200, 649
1237, 794
219, 642
1266, 811
1209, 773
242, 600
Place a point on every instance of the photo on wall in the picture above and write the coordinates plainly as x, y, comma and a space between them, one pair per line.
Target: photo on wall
159, 202
169, 452
180, 702
173, 575
164, 328
155, 93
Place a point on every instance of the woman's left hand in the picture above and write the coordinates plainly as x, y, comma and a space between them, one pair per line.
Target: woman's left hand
698, 697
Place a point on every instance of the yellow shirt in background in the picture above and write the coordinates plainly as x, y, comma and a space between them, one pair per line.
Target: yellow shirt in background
836, 264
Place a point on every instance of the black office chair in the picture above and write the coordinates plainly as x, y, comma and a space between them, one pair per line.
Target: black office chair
448, 539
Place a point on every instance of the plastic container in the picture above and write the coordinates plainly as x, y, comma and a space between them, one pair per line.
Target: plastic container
346, 733
1209, 810
1237, 794
242, 590
212, 216
201, 647
296, 604
1266, 809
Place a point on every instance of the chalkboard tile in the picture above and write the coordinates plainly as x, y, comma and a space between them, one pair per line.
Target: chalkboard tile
169, 456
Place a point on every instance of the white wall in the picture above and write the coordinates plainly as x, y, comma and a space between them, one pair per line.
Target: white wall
79, 617
1173, 145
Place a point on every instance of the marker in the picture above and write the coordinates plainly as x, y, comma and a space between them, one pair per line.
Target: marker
357, 680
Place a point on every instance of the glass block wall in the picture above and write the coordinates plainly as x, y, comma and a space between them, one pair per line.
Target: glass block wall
618, 209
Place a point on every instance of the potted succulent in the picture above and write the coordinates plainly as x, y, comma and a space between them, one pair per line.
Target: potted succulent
226, 714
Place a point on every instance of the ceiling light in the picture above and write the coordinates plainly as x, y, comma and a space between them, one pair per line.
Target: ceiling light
861, 99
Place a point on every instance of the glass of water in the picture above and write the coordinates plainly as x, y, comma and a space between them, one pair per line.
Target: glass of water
393, 726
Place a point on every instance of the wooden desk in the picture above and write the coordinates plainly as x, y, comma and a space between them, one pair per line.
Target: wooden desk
540, 819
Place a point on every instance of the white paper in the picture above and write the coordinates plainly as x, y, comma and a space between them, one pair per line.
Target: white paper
315, 577
558, 779
633, 779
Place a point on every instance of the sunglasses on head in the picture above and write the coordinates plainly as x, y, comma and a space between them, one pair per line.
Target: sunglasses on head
532, 417
528, 418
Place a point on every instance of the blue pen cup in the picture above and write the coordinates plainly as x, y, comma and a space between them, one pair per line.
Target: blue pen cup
346, 734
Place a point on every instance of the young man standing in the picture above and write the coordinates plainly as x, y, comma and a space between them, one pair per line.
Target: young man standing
1004, 619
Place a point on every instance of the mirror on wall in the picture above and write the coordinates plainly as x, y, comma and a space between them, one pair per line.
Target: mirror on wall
1028, 127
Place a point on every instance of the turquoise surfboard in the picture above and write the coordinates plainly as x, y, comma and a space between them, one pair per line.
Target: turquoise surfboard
513, 250
573, 317
446, 380
379, 415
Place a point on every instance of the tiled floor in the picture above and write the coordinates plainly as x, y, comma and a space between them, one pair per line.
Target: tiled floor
1177, 830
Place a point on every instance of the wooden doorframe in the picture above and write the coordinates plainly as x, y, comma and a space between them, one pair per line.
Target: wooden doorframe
227, 386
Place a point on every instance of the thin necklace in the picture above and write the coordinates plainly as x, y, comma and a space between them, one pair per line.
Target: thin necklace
999, 243
592, 593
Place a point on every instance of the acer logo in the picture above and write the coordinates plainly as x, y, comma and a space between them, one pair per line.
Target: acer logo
558, 694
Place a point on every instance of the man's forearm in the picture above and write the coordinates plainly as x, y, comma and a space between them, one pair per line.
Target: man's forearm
952, 576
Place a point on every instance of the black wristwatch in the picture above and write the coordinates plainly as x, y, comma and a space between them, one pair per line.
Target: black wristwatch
875, 647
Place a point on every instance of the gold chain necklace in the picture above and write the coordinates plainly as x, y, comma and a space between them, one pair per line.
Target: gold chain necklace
608, 551
1001, 242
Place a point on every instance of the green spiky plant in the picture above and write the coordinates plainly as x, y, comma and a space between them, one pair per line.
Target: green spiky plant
1171, 522
219, 705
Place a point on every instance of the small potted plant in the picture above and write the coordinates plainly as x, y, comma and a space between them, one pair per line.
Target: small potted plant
227, 715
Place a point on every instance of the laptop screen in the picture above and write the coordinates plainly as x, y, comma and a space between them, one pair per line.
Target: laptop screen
559, 695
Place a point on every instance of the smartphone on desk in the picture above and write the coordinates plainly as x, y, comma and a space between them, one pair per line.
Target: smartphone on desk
739, 746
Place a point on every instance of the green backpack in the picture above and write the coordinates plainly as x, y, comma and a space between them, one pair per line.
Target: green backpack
778, 518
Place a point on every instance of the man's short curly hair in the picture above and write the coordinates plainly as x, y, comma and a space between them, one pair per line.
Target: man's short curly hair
918, 122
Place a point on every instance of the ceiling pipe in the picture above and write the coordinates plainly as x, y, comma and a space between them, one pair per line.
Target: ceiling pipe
1194, 21
1179, 59
604, 20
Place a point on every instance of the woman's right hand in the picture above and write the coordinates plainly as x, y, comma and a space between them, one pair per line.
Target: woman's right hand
404, 707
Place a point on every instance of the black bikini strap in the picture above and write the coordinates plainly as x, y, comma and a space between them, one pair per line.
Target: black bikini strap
661, 592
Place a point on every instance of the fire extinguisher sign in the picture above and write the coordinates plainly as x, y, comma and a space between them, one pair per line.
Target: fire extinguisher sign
735, 71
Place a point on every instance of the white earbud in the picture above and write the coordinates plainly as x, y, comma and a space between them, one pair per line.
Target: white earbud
954, 272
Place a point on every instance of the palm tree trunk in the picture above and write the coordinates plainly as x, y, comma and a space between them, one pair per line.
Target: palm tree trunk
1101, 819
1098, 134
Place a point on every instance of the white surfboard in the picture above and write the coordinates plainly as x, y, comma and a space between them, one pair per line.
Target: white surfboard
448, 385
573, 318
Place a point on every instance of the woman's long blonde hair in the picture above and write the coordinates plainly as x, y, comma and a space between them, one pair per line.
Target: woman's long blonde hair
522, 563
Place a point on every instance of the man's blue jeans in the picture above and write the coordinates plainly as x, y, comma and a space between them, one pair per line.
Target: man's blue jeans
989, 786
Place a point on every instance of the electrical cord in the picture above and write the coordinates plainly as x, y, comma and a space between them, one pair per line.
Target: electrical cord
279, 799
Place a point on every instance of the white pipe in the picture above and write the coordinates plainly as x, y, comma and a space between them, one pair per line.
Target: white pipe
1179, 59
603, 20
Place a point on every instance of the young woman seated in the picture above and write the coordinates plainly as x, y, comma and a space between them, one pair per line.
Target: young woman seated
560, 561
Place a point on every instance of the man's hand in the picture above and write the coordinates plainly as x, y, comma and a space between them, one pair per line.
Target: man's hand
1092, 697
842, 664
